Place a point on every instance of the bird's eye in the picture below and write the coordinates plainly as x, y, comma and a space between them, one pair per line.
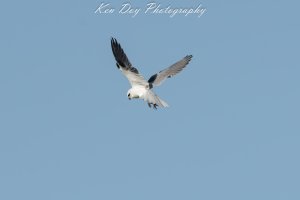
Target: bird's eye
128, 94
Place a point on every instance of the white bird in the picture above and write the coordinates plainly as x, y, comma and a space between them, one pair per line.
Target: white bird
140, 88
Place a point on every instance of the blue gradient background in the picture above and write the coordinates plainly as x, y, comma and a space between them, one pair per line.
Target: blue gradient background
68, 131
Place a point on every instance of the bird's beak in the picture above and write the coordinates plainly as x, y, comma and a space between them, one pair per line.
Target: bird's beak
129, 98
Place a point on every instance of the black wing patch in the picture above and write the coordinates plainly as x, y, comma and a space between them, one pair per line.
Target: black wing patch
120, 56
152, 78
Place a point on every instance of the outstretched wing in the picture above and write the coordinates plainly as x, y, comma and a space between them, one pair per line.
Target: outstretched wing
125, 66
158, 78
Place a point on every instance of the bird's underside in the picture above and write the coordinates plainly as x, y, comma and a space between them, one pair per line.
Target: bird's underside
140, 87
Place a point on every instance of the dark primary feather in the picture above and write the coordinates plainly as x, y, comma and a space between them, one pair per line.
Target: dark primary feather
158, 78
120, 56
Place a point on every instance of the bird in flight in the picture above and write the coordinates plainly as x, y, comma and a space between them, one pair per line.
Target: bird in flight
140, 88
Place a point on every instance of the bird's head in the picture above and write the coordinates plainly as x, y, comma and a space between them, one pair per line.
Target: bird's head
131, 94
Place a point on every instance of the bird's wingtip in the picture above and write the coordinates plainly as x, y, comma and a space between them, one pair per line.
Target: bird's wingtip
112, 39
189, 57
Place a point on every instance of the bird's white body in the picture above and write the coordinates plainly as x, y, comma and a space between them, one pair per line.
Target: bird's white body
145, 93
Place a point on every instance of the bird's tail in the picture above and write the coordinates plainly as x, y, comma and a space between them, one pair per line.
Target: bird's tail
162, 102
154, 100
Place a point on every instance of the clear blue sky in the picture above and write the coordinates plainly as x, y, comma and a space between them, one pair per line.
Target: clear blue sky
68, 131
